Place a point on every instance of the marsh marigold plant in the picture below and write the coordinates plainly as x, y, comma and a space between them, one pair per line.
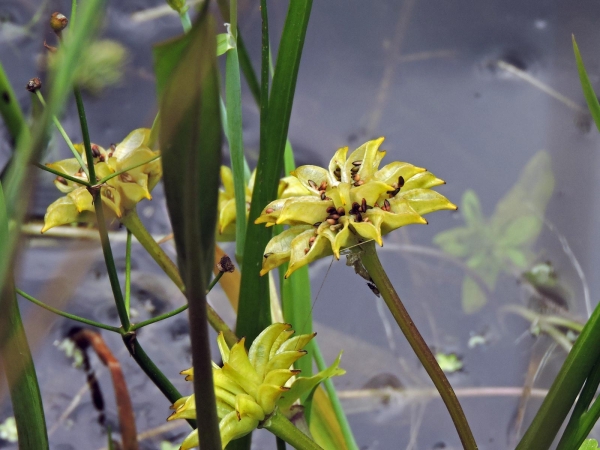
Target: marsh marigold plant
351, 202
119, 194
252, 384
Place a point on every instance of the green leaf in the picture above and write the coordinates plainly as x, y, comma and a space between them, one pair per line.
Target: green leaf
529, 195
523, 231
190, 141
449, 362
589, 444
254, 307
225, 42
304, 385
9, 107
471, 209
457, 242
233, 90
473, 297
30, 145
588, 90
17, 362
517, 257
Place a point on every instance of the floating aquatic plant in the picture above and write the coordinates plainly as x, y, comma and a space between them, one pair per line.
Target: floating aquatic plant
351, 202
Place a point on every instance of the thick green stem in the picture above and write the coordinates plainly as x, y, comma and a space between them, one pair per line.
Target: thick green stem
133, 223
371, 262
284, 429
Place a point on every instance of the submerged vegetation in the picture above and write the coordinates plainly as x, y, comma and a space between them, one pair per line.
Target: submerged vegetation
281, 218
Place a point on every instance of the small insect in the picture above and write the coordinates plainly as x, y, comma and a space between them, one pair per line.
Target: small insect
374, 288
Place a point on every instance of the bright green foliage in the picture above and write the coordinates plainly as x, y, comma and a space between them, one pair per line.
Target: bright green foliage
251, 385
589, 444
354, 201
449, 362
502, 242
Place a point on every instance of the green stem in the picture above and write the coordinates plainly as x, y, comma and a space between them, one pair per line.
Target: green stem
186, 22
64, 175
133, 223
334, 399
86, 136
418, 344
110, 262
284, 429
135, 166
65, 136
169, 314
67, 315
128, 274
73, 13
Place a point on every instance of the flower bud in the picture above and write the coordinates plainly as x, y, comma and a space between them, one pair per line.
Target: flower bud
34, 84
58, 22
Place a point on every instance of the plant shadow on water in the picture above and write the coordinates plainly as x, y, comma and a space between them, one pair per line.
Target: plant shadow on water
429, 79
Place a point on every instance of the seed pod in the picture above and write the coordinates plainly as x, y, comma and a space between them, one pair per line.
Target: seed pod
323, 185
269, 210
225, 265
341, 211
357, 163
331, 221
61, 180
386, 205
126, 178
359, 217
334, 217
95, 151
400, 181
331, 210
35, 84
363, 205
58, 22
323, 196
312, 184
359, 183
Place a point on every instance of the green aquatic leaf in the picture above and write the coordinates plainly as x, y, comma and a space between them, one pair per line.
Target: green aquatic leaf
522, 231
589, 444
471, 209
449, 363
517, 257
529, 195
456, 242
473, 297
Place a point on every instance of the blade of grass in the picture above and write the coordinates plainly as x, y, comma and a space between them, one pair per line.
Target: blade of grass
9, 107
254, 306
233, 99
30, 146
565, 388
17, 362
588, 90
190, 139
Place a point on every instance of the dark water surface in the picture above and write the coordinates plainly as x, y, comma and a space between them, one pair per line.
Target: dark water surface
423, 74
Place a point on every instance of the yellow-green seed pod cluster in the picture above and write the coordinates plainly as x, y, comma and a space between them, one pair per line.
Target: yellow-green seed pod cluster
119, 194
252, 384
351, 202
